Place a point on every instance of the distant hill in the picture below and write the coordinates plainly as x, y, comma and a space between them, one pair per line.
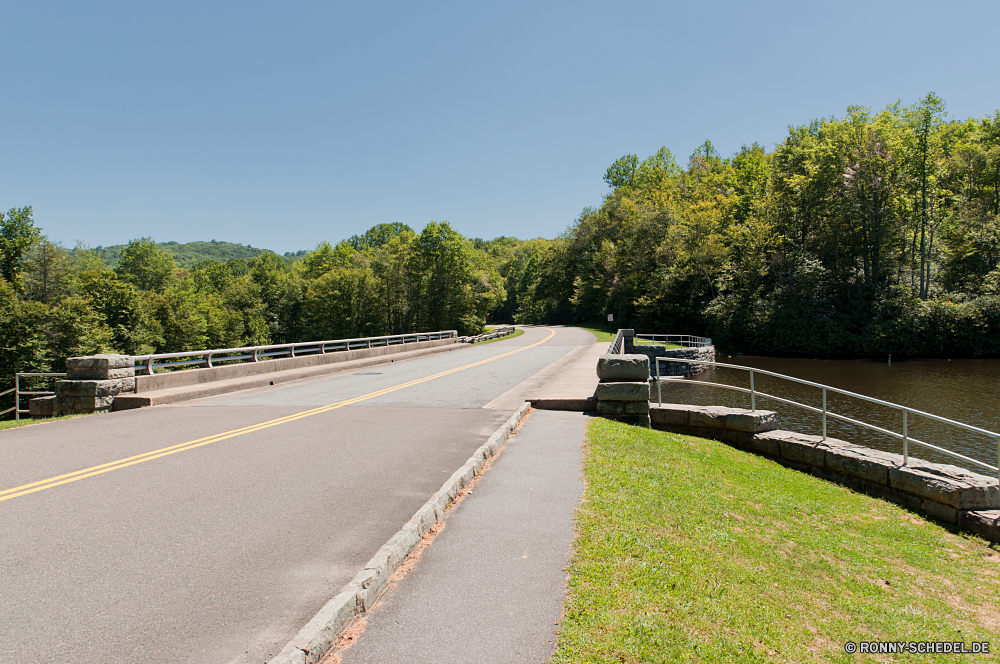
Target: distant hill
189, 254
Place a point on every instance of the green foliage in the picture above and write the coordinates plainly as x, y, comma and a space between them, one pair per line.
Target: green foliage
875, 233
187, 255
146, 266
17, 235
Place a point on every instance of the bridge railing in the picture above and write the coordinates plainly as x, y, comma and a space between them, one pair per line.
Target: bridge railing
905, 411
18, 392
148, 364
684, 340
618, 345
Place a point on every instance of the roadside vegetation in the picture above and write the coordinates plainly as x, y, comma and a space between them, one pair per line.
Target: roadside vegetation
876, 233
518, 332
13, 424
689, 550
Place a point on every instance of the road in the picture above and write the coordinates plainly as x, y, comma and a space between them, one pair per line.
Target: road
220, 550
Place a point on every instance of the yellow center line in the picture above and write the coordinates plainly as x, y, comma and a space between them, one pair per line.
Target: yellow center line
59, 480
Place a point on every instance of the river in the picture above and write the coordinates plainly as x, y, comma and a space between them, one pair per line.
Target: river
964, 390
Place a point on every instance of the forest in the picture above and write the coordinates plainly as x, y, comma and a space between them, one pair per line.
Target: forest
871, 234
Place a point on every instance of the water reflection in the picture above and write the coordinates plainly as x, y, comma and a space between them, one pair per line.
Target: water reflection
963, 390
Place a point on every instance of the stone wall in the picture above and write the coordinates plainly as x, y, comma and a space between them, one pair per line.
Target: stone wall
623, 390
90, 386
704, 353
947, 493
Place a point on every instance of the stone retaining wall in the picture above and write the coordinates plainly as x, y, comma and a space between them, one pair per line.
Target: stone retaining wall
704, 353
947, 493
623, 390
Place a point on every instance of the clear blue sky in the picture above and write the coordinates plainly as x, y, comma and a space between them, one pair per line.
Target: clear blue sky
283, 124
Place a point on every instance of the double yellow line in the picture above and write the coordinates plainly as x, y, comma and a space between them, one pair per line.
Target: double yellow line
59, 480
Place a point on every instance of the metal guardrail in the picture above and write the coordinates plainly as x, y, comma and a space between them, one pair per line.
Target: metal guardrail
148, 364
906, 411
618, 345
18, 392
685, 340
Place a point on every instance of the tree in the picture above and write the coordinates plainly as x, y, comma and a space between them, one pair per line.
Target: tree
622, 172
17, 235
924, 119
146, 266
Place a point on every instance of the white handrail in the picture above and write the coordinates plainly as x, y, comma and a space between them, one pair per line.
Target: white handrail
148, 363
906, 410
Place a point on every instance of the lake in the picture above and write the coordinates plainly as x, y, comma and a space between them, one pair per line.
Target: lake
964, 390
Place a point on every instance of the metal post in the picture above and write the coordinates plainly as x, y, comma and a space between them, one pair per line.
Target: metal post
255, 354
998, 460
659, 393
906, 441
824, 414
753, 394
17, 397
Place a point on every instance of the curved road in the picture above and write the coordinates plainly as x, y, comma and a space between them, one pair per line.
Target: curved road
212, 530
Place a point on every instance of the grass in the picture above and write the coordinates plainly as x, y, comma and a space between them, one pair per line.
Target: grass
602, 331
689, 550
605, 332
13, 424
517, 332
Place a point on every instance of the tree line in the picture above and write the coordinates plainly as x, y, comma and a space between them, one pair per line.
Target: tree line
871, 234
57, 303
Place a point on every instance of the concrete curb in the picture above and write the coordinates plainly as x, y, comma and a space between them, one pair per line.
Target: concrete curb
228, 386
320, 634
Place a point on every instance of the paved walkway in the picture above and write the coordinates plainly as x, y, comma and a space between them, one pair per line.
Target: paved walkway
491, 586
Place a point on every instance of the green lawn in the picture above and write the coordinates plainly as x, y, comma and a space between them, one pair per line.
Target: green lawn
11, 424
689, 550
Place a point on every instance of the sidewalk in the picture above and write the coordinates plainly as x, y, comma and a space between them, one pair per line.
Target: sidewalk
575, 386
490, 587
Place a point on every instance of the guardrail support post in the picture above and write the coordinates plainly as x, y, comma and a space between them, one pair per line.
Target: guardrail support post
753, 394
149, 365
255, 354
659, 393
906, 440
17, 398
824, 414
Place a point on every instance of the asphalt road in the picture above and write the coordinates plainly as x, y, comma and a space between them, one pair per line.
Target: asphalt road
221, 552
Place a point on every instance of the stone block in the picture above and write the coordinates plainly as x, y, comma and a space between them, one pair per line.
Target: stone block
837, 478
623, 392
862, 462
797, 447
940, 512
892, 495
945, 484
99, 367
764, 444
636, 407
735, 419
622, 368
40, 407
985, 523
89, 388
77, 405
635, 420
670, 414
611, 408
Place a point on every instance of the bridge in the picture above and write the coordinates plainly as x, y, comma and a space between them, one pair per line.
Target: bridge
213, 529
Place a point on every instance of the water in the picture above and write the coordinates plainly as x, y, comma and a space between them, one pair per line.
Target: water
964, 390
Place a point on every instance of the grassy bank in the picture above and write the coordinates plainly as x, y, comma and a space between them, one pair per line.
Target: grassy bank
689, 550
13, 424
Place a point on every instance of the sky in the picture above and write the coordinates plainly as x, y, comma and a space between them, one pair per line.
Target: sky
281, 125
